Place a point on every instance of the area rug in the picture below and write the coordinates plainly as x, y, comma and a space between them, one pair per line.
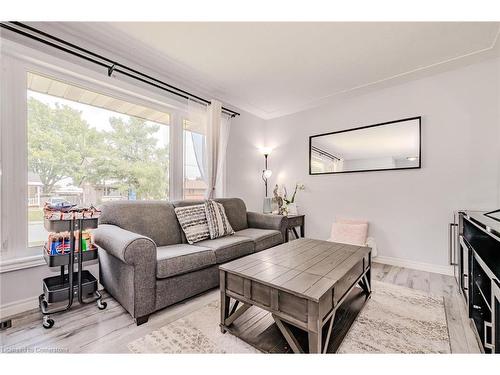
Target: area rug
394, 320
399, 320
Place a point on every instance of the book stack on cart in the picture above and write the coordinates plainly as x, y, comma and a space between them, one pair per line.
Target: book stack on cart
69, 245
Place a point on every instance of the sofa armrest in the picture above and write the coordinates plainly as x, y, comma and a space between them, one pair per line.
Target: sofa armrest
131, 248
127, 269
267, 221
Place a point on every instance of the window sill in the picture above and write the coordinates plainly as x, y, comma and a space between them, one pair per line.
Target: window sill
21, 263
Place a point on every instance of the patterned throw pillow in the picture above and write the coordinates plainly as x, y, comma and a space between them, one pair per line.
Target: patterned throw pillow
193, 221
218, 224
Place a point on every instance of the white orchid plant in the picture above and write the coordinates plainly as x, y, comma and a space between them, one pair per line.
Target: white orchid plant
292, 198
282, 199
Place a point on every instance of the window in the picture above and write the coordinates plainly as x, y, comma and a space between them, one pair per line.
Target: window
86, 148
194, 159
70, 135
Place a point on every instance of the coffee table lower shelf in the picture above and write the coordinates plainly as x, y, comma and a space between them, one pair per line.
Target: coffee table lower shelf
258, 328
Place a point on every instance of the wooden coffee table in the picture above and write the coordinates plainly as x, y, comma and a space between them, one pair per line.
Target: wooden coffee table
302, 284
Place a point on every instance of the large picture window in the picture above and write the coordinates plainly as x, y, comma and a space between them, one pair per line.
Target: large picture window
68, 134
87, 148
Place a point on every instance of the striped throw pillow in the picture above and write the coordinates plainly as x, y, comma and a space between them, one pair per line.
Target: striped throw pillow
193, 221
218, 224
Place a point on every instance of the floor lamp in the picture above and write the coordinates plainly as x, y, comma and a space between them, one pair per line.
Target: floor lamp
266, 174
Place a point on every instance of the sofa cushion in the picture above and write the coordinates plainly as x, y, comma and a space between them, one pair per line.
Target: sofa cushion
182, 258
235, 209
153, 219
353, 234
218, 224
263, 238
229, 247
193, 221
236, 212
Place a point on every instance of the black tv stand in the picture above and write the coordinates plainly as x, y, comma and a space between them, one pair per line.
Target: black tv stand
477, 269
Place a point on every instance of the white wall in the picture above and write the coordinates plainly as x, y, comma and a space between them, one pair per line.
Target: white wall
244, 162
408, 210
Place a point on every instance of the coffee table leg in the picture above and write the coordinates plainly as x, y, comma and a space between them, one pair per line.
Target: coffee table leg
314, 342
315, 328
224, 301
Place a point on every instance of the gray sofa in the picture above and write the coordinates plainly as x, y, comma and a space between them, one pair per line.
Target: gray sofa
146, 263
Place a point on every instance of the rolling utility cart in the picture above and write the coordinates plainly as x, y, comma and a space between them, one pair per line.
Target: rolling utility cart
70, 283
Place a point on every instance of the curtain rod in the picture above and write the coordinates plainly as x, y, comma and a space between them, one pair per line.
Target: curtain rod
325, 153
111, 65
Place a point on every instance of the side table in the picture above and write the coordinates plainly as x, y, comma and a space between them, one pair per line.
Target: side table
295, 221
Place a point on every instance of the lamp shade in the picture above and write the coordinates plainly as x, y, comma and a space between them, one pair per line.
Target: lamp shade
266, 150
268, 173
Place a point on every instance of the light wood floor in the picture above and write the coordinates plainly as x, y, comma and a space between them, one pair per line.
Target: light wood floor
89, 330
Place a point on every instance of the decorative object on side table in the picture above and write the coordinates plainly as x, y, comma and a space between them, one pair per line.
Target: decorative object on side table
268, 205
291, 205
286, 206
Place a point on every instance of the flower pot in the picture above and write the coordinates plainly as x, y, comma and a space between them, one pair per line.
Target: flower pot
292, 209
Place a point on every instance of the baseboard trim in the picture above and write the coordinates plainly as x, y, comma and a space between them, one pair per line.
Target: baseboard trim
443, 270
23, 305
17, 307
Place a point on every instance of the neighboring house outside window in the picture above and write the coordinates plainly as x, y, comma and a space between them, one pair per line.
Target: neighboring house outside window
34, 190
194, 189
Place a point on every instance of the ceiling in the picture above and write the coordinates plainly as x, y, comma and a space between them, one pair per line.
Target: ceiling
273, 69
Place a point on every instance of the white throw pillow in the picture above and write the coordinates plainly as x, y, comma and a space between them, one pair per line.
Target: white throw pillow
193, 221
353, 234
218, 224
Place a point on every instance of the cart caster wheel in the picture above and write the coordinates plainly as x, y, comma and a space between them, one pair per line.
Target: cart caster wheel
101, 305
48, 323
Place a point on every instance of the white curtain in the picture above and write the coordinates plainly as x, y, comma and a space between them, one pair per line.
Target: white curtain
197, 126
200, 153
225, 125
209, 135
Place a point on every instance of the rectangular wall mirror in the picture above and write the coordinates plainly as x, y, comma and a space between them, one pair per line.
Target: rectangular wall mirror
386, 146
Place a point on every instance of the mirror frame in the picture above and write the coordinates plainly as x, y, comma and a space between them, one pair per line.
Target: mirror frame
419, 118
